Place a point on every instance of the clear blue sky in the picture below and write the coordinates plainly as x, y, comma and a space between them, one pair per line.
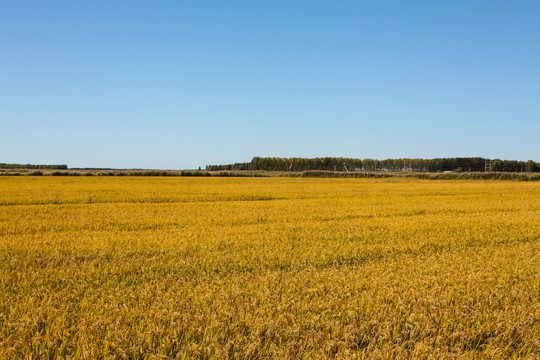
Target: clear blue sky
182, 84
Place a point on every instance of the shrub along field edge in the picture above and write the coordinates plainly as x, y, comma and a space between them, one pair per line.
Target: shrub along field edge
525, 176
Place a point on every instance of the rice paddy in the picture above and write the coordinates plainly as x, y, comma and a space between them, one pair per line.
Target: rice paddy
268, 268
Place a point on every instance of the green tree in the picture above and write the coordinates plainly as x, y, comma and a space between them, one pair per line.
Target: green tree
496, 165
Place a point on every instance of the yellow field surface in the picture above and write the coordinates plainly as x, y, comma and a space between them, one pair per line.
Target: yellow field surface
268, 268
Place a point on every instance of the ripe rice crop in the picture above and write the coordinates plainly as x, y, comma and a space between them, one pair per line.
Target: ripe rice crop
268, 268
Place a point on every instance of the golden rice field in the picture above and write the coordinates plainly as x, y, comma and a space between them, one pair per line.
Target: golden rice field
268, 268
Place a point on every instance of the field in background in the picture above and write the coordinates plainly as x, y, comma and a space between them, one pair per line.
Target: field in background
447, 175
249, 268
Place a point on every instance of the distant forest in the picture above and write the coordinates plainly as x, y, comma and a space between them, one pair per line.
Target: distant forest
30, 166
462, 164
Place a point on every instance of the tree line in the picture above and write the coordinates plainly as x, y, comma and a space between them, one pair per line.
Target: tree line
461, 164
31, 166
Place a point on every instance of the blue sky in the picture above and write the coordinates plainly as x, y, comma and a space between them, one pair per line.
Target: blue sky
182, 84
